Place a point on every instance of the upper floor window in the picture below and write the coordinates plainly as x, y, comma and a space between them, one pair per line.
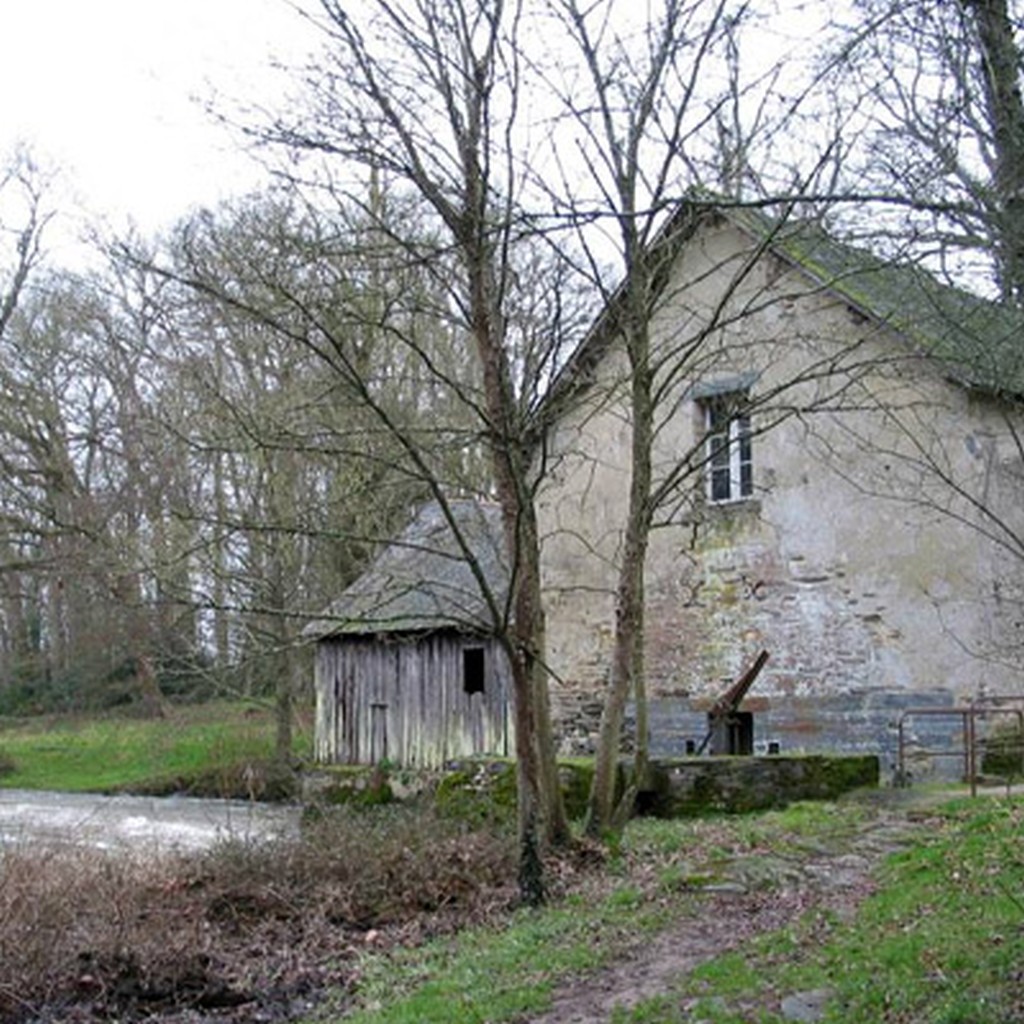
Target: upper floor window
730, 474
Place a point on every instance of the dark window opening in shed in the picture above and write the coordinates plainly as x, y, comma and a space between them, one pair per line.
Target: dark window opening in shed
732, 733
378, 733
473, 669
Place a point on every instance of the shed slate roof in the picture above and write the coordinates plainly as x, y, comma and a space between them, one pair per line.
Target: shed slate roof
422, 580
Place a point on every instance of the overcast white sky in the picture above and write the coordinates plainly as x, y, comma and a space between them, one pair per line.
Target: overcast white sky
110, 91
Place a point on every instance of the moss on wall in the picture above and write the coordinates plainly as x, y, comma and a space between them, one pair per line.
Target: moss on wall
478, 792
484, 790
694, 786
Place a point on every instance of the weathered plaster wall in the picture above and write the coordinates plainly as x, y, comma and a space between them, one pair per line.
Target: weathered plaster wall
846, 564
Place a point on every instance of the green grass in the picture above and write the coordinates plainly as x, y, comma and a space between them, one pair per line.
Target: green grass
200, 744
940, 942
945, 937
487, 976
510, 973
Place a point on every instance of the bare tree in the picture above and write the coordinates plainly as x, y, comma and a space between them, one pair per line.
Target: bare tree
82, 479
646, 122
936, 91
429, 95
294, 481
658, 113
23, 220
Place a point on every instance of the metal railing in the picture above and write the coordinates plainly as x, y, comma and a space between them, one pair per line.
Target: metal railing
970, 743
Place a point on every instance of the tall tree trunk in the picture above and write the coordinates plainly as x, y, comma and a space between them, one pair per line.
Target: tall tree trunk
556, 823
541, 816
17, 643
627, 656
523, 656
284, 705
1001, 60
219, 553
530, 605
284, 565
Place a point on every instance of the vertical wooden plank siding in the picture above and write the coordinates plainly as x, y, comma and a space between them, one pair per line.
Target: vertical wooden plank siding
409, 693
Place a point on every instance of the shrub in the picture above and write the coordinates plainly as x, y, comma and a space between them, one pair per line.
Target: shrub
64, 913
1004, 752
7, 763
118, 937
364, 868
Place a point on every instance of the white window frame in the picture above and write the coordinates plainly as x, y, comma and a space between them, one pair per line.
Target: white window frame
729, 444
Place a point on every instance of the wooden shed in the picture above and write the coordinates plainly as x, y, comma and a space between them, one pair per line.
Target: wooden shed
409, 667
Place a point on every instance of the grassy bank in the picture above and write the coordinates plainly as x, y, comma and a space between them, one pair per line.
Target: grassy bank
939, 941
219, 748
398, 914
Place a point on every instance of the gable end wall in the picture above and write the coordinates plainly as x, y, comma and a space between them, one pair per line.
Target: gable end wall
846, 565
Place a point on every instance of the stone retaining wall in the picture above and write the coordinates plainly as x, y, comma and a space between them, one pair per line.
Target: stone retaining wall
679, 788
674, 788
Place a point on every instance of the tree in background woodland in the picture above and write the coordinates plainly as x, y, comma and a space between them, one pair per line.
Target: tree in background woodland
306, 478
185, 486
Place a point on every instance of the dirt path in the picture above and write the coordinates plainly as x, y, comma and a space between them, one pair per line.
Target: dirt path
758, 894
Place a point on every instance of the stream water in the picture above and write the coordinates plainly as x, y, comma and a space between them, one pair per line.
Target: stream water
164, 824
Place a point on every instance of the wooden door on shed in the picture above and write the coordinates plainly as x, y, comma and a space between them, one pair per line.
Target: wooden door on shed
378, 732
474, 686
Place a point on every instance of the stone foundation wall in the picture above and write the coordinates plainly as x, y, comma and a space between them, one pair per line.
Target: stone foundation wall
485, 789
577, 720
857, 723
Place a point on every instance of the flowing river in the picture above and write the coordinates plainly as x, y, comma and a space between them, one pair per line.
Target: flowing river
138, 823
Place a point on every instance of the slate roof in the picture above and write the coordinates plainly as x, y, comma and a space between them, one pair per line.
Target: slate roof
422, 581
979, 342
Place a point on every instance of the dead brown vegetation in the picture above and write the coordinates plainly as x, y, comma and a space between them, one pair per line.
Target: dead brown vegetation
87, 935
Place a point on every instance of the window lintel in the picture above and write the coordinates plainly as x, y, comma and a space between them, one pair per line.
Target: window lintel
716, 387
